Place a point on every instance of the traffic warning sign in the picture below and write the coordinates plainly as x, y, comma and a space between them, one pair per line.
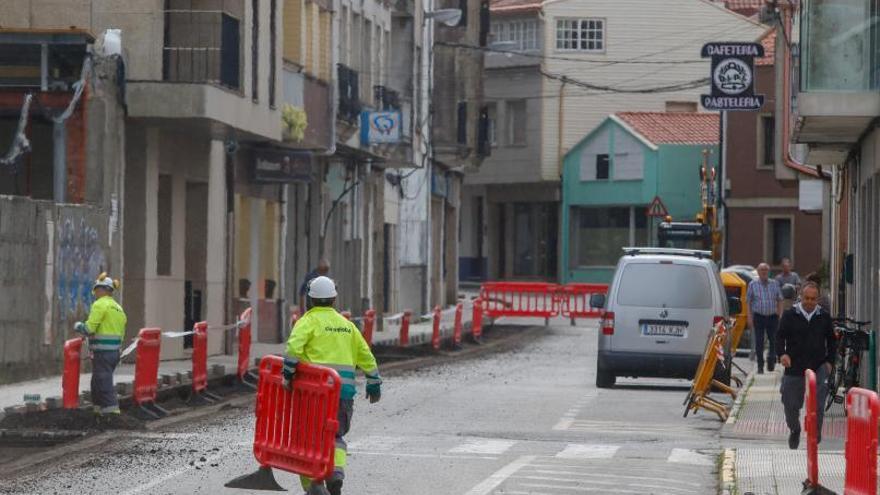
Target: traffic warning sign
657, 208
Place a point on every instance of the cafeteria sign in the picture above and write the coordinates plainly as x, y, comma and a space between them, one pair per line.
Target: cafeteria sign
733, 76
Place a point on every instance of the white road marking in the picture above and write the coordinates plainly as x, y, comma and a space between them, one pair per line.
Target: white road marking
569, 417
590, 481
490, 483
588, 451
483, 446
578, 489
375, 443
580, 472
430, 456
564, 424
692, 457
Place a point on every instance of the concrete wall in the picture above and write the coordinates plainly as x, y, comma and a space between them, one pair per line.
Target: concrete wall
49, 258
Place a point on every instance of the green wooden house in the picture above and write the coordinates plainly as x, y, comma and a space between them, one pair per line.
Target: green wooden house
613, 174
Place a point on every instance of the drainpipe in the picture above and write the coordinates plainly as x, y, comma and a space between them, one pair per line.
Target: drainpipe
59, 160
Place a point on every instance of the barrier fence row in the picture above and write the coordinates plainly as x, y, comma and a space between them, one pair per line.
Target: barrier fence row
147, 348
539, 299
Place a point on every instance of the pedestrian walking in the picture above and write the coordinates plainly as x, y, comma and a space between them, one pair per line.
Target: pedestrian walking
323, 336
105, 329
765, 305
805, 341
824, 300
787, 276
323, 269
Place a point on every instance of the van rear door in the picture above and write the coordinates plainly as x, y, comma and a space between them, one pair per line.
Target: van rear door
663, 306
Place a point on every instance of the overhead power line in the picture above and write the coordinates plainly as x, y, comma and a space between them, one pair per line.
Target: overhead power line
669, 88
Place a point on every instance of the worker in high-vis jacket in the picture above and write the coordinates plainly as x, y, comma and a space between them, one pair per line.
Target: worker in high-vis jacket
323, 336
105, 329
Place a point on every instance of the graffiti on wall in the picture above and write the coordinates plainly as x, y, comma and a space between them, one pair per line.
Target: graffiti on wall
79, 258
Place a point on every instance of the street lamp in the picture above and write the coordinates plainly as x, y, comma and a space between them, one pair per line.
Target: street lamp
450, 17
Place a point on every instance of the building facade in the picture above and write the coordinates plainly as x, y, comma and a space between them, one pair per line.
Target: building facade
573, 63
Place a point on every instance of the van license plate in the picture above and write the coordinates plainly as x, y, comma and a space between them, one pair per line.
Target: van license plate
655, 330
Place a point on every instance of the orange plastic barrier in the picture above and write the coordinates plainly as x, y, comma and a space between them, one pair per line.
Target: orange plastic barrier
477, 320
863, 411
575, 300
244, 343
369, 324
146, 366
811, 426
70, 378
296, 431
403, 339
537, 299
435, 335
456, 331
200, 357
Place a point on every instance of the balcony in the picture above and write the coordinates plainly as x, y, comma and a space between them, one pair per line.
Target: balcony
839, 74
202, 46
349, 93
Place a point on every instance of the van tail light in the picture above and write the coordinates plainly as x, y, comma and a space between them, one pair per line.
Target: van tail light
718, 319
607, 323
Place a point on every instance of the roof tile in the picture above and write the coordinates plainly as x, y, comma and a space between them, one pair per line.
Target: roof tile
674, 127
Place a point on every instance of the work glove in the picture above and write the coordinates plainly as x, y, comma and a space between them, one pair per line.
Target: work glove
288, 373
81, 329
374, 388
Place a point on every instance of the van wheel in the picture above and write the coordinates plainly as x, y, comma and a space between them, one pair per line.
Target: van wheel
605, 379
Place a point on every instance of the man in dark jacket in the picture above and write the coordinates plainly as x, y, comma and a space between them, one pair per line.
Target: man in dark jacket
805, 340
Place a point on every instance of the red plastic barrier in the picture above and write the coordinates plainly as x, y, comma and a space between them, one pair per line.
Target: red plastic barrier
456, 332
477, 319
146, 366
435, 335
404, 328
200, 357
863, 412
520, 299
70, 378
811, 426
575, 300
244, 343
369, 324
296, 431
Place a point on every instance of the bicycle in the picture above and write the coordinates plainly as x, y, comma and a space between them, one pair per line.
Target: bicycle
851, 343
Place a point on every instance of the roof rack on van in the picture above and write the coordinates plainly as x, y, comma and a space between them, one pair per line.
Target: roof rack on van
696, 253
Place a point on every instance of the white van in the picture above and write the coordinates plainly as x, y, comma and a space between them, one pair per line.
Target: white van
658, 313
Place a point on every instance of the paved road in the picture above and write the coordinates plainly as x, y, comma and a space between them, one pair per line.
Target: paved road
528, 421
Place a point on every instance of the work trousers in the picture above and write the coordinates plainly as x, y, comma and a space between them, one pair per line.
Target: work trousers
103, 392
793, 388
346, 409
765, 325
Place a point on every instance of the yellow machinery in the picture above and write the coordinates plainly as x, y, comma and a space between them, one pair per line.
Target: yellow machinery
735, 287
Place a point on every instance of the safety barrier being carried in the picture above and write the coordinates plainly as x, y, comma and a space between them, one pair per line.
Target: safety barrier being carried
369, 324
863, 413
296, 431
70, 378
812, 429
704, 381
575, 300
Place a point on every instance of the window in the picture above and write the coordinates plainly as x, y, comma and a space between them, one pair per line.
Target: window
585, 35
766, 142
597, 235
779, 238
692, 288
163, 237
272, 15
343, 38
255, 49
493, 129
518, 35
516, 122
461, 119
602, 167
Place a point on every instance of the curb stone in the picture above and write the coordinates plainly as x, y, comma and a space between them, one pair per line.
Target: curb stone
728, 472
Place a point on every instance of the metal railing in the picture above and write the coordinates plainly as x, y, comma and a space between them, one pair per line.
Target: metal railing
202, 46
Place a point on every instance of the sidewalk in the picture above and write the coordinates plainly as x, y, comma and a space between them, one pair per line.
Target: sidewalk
757, 453
420, 332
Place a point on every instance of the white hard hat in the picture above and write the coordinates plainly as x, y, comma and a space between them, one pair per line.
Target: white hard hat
322, 288
104, 283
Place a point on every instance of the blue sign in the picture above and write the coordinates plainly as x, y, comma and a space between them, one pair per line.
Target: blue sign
380, 127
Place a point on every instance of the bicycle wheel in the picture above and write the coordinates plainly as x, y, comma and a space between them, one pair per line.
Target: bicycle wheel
835, 378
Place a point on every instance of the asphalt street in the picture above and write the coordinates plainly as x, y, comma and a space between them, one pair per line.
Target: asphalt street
526, 421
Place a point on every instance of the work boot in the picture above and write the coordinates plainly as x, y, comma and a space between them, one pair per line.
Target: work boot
760, 368
771, 366
794, 439
335, 487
